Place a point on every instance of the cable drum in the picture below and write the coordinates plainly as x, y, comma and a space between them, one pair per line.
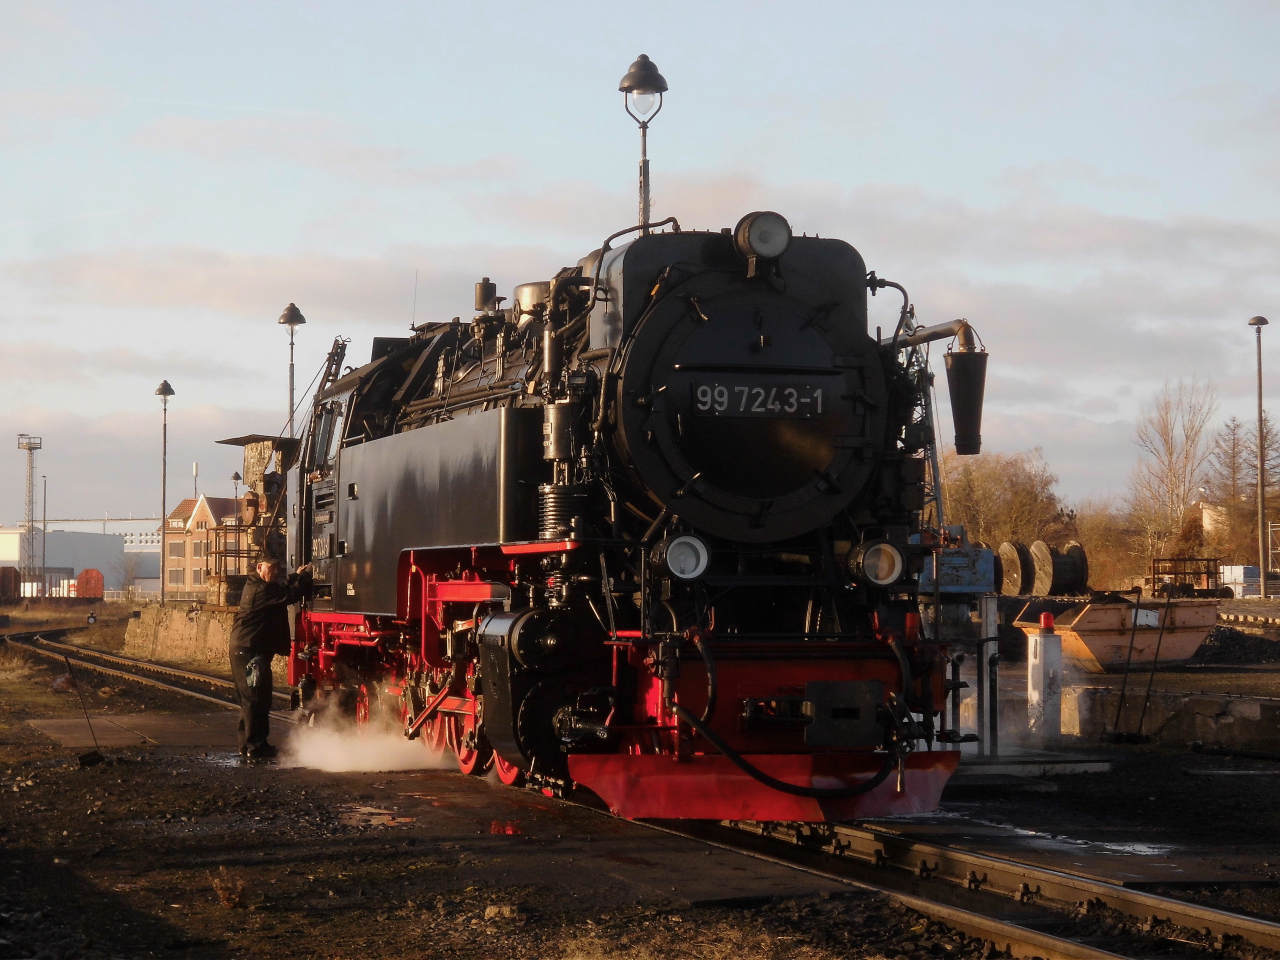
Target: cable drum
1059, 573
1018, 569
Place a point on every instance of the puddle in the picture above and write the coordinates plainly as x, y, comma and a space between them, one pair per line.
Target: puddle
1033, 838
221, 759
508, 828
1136, 849
354, 815
1048, 841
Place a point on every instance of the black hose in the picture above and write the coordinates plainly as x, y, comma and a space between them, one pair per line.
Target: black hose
908, 681
705, 650
1124, 684
739, 761
877, 284
1155, 660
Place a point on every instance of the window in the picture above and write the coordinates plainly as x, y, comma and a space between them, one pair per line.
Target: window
197, 578
175, 524
175, 576
198, 549
326, 434
177, 550
202, 524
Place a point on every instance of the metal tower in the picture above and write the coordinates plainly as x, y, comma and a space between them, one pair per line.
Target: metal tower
31, 445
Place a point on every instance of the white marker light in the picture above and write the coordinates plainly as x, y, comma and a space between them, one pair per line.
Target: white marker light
684, 557
878, 563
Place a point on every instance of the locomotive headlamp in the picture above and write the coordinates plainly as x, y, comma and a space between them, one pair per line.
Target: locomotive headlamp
763, 234
878, 563
684, 557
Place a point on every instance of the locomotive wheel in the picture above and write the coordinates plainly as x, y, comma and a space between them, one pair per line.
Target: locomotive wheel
469, 744
508, 773
363, 711
435, 734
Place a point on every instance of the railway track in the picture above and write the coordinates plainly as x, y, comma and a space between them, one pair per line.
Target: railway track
1025, 883
1028, 908
180, 681
1024, 910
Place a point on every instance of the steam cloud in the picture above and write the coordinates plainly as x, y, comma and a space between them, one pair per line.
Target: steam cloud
332, 744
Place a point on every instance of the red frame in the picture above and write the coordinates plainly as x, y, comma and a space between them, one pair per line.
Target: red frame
658, 767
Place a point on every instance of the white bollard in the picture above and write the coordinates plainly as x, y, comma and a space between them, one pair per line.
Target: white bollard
1044, 680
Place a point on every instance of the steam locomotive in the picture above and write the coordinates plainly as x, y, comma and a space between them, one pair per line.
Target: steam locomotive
653, 529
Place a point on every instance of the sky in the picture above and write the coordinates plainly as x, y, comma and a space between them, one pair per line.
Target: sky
1095, 186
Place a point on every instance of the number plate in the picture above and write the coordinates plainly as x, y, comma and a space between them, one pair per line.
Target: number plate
799, 400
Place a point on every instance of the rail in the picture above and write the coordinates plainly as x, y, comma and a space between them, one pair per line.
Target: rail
1021, 882
38, 643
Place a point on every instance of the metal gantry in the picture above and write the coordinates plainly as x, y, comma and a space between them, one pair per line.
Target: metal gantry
28, 569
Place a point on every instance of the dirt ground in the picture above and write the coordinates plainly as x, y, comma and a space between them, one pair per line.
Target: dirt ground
106, 634
191, 854
187, 853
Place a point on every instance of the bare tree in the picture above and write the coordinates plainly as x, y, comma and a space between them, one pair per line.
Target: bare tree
1108, 540
1001, 496
1227, 479
126, 570
1172, 434
1271, 458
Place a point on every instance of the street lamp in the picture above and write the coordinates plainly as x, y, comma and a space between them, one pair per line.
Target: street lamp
292, 318
235, 479
164, 392
1258, 323
642, 89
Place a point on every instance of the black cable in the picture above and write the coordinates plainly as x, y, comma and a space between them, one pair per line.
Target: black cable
1124, 684
739, 761
1155, 660
705, 650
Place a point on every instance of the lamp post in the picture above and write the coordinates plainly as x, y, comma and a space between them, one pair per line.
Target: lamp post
1258, 323
235, 480
292, 318
44, 533
164, 392
642, 89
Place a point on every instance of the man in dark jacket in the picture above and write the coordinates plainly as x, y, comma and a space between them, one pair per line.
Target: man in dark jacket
261, 631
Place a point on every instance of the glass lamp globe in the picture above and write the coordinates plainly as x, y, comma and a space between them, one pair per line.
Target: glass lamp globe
642, 102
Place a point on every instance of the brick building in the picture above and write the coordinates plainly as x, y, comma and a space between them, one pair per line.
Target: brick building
191, 534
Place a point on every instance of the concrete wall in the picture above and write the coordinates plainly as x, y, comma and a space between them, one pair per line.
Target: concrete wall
1238, 723
177, 634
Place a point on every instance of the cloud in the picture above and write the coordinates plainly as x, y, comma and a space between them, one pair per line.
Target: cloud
321, 144
1077, 449
28, 114
1041, 179
1061, 292
43, 361
342, 289
911, 223
111, 462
